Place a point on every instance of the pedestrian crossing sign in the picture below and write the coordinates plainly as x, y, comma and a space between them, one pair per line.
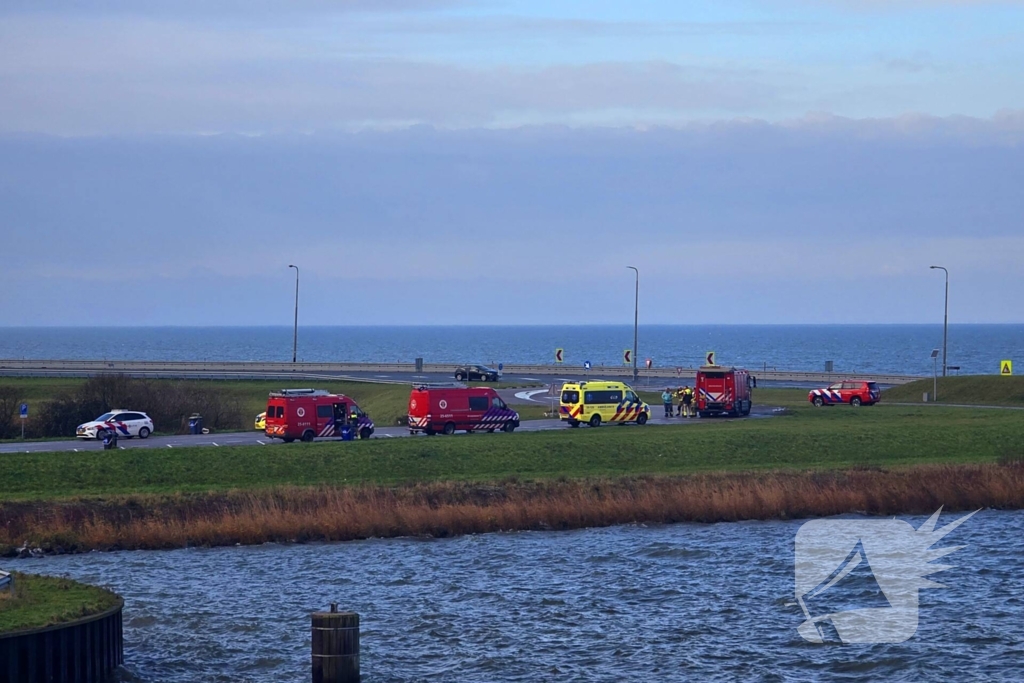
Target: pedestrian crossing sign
1006, 368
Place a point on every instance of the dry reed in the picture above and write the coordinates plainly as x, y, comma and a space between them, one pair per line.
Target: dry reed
295, 514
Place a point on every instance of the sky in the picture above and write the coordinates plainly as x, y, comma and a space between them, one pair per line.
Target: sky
452, 162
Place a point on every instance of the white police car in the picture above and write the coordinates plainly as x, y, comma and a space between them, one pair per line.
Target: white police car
125, 422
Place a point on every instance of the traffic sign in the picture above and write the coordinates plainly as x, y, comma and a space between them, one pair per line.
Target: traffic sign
627, 357
1006, 368
558, 355
709, 358
24, 411
586, 365
501, 366
649, 363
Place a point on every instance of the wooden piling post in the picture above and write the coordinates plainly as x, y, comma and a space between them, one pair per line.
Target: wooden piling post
335, 646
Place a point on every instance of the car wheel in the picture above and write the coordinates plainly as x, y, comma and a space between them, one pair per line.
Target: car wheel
449, 428
307, 435
144, 433
855, 401
641, 419
818, 401
459, 376
595, 421
364, 433
509, 428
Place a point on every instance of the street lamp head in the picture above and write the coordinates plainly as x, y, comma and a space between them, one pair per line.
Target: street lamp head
291, 266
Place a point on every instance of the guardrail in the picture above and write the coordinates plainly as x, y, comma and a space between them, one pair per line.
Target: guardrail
285, 370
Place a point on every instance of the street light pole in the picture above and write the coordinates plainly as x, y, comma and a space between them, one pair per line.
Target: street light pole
945, 319
295, 333
636, 318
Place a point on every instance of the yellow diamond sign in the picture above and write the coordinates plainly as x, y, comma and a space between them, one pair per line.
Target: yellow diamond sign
1006, 368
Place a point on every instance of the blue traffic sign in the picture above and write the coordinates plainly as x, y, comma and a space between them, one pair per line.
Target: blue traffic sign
586, 365
501, 366
24, 411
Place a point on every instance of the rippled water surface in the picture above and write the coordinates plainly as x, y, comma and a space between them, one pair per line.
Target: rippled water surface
667, 603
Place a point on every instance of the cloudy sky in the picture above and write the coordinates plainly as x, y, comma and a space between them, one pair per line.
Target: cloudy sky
504, 161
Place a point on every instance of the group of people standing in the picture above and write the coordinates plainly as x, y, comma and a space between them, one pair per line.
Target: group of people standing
687, 402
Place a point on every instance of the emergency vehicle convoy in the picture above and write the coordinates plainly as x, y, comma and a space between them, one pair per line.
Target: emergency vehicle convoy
469, 409
596, 402
722, 391
855, 392
306, 414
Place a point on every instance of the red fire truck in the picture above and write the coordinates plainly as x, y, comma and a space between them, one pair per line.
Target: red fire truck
310, 413
473, 409
723, 391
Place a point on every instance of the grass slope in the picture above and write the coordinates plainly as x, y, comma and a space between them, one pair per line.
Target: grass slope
990, 390
40, 601
807, 438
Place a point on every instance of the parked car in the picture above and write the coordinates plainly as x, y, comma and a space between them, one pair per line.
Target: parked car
853, 391
125, 423
261, 421
480, 373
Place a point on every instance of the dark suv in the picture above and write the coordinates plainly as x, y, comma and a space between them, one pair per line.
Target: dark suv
476, 372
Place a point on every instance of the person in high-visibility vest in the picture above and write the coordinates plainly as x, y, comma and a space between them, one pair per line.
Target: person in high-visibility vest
688, 402
680, 395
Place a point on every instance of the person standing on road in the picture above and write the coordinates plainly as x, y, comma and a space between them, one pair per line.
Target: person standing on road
666, 399
680, 393
687, 402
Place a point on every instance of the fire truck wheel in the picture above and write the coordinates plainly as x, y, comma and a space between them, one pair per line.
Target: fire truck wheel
855, 401
429, 431
819, 401
364, 433
287, 439
449, 428
509, 427
641, 419
595, 421
490, 431
307, 435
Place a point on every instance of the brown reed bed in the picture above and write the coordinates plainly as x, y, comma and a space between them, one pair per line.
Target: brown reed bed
293, 514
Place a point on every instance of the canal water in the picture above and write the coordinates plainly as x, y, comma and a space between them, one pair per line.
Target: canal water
629, 603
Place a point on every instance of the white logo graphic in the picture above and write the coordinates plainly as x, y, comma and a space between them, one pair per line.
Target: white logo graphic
875, 565
443, 404
301, 412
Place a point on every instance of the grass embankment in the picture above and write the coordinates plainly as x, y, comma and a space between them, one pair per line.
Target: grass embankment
39, 601
991, 390
808, 462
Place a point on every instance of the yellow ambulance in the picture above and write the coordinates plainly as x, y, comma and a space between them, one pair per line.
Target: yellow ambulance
597, 402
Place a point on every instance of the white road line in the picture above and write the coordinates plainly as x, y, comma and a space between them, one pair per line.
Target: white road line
170, 446
529, 395
75, 450
215, 444
262, 443
121, 447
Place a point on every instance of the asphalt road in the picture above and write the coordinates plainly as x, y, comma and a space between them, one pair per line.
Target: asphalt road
255, 438
295, 380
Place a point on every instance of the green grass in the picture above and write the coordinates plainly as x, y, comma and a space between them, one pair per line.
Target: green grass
805, 438
991, 390
40, 601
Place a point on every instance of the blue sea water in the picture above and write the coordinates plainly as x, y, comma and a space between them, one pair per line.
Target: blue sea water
976, 349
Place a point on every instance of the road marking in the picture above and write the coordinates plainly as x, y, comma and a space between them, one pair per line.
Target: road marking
215, 444
383, 376
262, 443
170, 446
530, 379
75, 450
121, 447
529, 395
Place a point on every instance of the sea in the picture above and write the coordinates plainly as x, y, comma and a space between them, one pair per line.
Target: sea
899, 349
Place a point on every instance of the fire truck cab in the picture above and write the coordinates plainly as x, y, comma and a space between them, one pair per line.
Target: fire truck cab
306, 414
723, 391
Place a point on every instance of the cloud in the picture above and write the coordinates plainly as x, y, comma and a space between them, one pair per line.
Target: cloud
840, 213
